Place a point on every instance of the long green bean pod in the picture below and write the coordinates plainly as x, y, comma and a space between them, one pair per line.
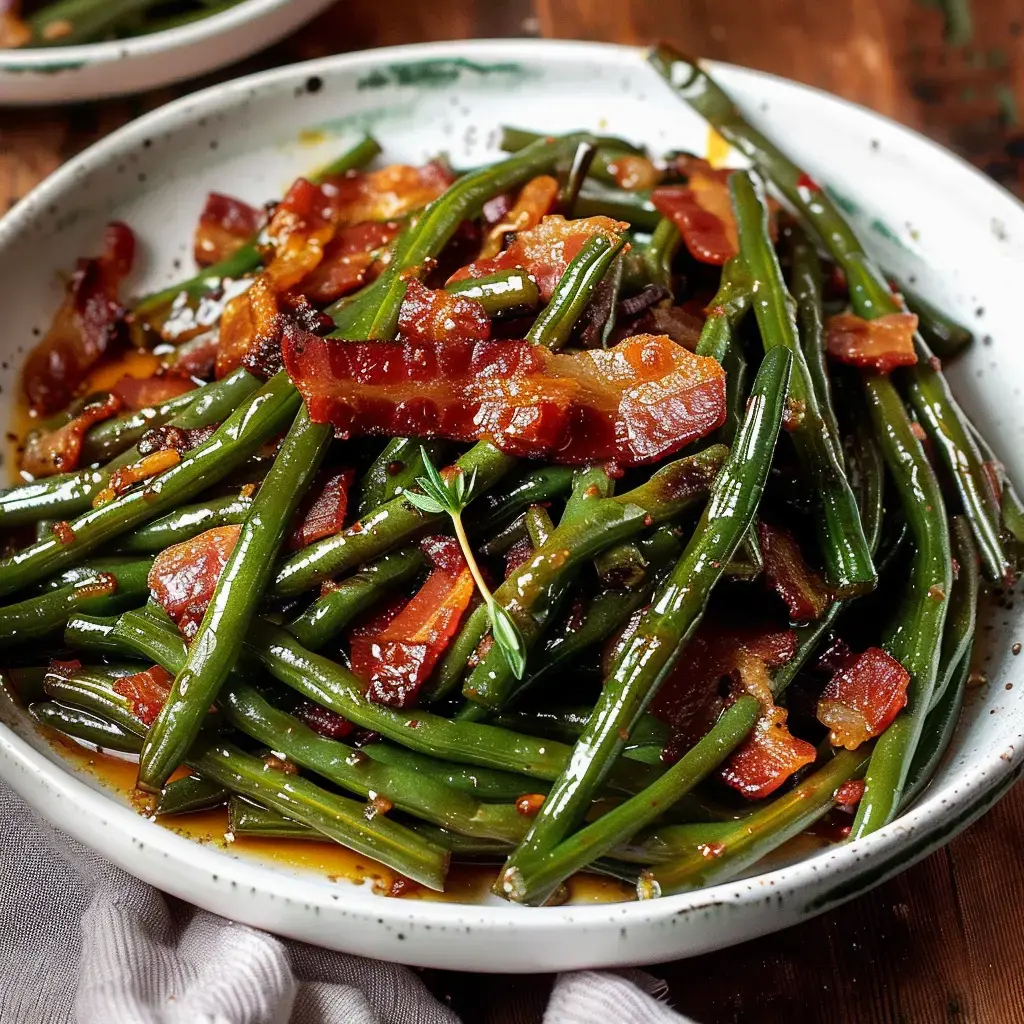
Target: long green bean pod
531, 593
82, 725
668, 624
100, 592
189, 794
870, 296
239, 589
719, 852
69, 494
395, 470
624, 821
844, 548
184, 523
915, 638
256, 420
499, 506
391, 524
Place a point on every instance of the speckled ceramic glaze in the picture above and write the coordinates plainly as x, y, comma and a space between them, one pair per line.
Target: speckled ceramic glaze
920, 210
64, 74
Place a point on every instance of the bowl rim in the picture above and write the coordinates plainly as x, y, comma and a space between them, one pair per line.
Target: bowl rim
45, 59
856, 866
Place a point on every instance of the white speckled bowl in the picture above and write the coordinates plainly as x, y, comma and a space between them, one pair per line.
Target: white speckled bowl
922, 211
66, 74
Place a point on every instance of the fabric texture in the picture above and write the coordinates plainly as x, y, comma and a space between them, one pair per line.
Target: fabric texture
82, 941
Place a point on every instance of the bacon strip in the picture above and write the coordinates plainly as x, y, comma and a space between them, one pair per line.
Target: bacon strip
184, 576
88, 323
881, 344
322, 514
225, 225
702, 211
429, 315
862, 699
398, 658
790, 576
146, 691
59, 451
636, 403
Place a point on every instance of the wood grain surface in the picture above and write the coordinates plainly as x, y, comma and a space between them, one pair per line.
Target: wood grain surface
941, 943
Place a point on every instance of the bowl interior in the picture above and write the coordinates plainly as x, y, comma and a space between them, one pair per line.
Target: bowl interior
923, 213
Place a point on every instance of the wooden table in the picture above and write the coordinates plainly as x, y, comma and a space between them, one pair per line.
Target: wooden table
936, 944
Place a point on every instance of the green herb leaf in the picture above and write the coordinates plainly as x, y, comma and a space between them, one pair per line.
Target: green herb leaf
424, 502
508, 638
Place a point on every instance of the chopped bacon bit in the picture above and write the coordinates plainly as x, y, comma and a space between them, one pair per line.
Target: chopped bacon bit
354, 257
529, 804
65, 669
429, 315
377, 804
793, 415
298, 231
805, 181
635, 403
184, 576
280, 764
787, 573
517, 555
386, 194
769, 756
225, 225
691, 698
881, 344
634, 173
322, 512
58, 451
88, 323
918, 431
396, 656
147, 392
849, 793
862, 699
127, 476
702, 211
179, 439
535, 200
146, 692
250, 318
546, 250
63, 532
324, 721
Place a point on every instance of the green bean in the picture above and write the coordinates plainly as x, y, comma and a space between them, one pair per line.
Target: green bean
659, 254
915, 638
395, 470
554, 325
844, 548
579, 167
530, 594
250, 425
621, 823
102, 592
636, 208
391, 524
725, 312
736, 847
327, 616
441, 219
493, 510
247, 818
806, 286
506, 293
668, 624
870, 297
539, 526
69, 494
233, 603
945, 337
84, 726
362, 153
186, 522
499, 543
85, 20
189, 794
91, 633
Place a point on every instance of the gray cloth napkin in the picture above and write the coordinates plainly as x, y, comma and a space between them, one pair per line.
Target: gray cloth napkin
82, 941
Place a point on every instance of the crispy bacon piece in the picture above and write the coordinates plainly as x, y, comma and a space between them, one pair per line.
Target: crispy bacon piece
710, 669
90, 320
397, 659
353, 257
146, 691
635, 403
322, 514
183, 576
179, 439
881, 344
702, 211
386, 194
863, 698
58, 451
518, 555
324, 721
787, 573
535, 200
546, 250
146, 392
225, 225
196, 357
249, 320
431, 316
769, 756
299, 230
634, 173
